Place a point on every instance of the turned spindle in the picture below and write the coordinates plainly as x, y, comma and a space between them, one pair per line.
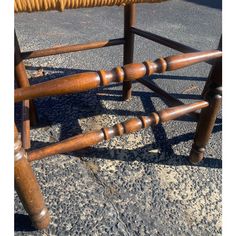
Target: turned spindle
91, 80
28, 189
131, 125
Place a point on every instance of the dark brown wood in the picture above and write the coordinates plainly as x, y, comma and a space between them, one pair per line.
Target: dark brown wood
180, 61
90, 80
28, 189
169, 99
20, 72
216, 71
71, 48
28, 115
129, 21
74, 143
165, 41
175, 112
131, 125
25, 130
22, 79
208, 116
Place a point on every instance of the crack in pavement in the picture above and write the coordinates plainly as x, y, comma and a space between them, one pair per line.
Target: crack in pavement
106, 196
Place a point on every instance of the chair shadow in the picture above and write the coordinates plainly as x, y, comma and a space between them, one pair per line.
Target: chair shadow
142, 154
84, 105
208, 3
23, 223
107, 92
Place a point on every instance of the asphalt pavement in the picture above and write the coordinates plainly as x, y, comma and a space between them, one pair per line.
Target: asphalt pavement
137, 184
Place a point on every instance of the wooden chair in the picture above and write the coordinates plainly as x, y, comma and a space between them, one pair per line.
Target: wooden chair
25, 182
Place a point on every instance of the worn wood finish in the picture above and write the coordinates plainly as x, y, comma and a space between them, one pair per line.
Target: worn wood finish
129, 21
165, 41
71, 48
25, 181
90, 80
28, 189
131, 125
169, 99
28, 115
208, 116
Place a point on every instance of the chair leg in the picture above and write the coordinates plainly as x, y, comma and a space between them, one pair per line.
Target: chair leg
28, 189
208, 115
208, 82
129, 21
28, 109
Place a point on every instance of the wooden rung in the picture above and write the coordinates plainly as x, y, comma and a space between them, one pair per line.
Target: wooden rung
91, 80
170, 100
71, 48
131, 125
165, 41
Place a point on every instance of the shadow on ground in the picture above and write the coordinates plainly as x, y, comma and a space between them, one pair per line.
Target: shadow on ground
209, 3
23, 223
70, 123
85, 107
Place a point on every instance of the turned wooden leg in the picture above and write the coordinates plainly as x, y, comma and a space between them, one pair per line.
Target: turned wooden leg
129, 21
208, 115
28, 109
28, 189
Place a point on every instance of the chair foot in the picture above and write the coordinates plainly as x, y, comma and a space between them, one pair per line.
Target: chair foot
41, 220
28, 189
196, 155
206, 122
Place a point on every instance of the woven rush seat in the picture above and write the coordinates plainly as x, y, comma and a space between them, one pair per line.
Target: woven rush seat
60, 5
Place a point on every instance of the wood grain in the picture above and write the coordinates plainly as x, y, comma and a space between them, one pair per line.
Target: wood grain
91, 80
81, 141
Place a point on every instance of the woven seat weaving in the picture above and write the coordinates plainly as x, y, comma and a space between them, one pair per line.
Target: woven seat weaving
60, 5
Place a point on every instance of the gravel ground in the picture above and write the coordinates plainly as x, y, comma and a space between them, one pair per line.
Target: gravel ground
138, 184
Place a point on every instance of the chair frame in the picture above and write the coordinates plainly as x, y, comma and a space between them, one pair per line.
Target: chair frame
26, 184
